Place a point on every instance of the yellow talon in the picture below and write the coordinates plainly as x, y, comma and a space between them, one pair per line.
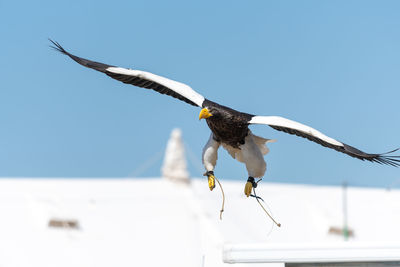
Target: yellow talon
211, 182
211, 179
247, 189
249, 185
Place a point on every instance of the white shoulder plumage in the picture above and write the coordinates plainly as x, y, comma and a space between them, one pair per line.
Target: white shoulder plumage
292, 127
179, 88
141, 79
296, 126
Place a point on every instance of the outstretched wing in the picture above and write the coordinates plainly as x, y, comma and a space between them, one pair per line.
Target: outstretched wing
140, 78
292, 127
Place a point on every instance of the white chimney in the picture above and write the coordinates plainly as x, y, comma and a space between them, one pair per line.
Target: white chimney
174, 166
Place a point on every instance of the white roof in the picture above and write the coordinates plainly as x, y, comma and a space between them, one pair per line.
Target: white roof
154, 222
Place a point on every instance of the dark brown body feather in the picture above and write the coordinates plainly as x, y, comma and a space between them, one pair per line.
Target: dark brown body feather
229, 126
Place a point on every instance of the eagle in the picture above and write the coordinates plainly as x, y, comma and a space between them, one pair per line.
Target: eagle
229, 127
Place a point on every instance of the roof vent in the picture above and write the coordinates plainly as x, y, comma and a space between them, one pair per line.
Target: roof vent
63, 223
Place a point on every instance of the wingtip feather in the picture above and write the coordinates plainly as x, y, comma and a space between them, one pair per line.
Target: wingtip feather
57, 47
387, 160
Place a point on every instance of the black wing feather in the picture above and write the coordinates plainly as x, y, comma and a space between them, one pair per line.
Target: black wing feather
383, 158
128, 79
84, 62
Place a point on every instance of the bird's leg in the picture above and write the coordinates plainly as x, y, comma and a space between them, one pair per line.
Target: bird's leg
251, 183
254, 160
210, 156
211, 179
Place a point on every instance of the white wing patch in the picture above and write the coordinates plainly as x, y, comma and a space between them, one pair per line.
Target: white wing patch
175, 86
282, 122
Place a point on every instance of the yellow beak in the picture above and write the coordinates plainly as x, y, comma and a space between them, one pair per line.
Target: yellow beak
204, 114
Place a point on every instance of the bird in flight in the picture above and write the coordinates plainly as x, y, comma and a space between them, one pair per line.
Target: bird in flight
229, 128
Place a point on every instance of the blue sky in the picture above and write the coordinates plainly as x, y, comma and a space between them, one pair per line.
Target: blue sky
333, 65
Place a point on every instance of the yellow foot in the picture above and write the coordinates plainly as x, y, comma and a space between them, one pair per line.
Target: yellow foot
249, 186
211, 179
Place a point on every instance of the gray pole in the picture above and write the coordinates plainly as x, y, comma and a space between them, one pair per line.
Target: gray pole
345, 226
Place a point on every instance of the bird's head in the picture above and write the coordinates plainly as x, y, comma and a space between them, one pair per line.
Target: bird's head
205, 113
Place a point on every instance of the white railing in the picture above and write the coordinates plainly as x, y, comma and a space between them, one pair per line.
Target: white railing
311, 253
